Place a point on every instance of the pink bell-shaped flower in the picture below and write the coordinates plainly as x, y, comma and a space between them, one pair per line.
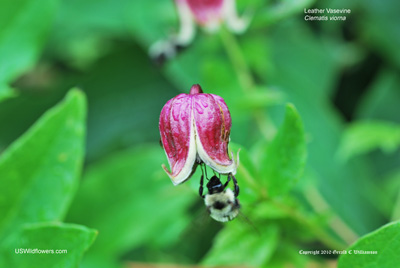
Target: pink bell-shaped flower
208, 14
205, 12
211, 13
195, 128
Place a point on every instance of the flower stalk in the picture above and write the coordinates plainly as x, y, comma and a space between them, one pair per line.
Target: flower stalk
246, 81
268, 130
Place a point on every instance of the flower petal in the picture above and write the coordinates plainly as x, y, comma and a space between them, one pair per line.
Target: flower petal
233, 21
178, 137
213, 125
206, 12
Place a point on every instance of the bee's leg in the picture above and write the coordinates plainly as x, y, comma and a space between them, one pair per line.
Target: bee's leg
201, 189
227, 181
205, 170
215, 174
236, 186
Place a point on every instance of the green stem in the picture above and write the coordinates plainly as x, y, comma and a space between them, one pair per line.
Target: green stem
246, 80
316, 229
238, 60
320, 233
268, 130
319, 205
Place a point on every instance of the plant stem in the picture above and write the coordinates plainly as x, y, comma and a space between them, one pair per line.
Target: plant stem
319, 205
317, 230
238, 60
246, 80
268, 130
320, 233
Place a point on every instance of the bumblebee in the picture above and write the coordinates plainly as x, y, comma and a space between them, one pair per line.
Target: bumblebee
221, 202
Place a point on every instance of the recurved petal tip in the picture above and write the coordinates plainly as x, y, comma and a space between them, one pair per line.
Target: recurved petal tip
237, 160
183, 175
166, 170
178, 137
235, 23
173, 179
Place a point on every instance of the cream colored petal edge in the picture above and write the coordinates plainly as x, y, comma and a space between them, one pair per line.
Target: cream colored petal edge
209, 162
187, 28
233, 21
187, 169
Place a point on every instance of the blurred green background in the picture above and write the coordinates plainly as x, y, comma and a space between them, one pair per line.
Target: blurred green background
342, 78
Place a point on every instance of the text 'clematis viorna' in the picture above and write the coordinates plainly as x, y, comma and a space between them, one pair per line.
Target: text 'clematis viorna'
195, 129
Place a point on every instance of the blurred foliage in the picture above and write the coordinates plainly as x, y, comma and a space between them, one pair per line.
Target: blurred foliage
284, 158
74, 239
383, 242
381, 135
39, 173
118, 196
318, 173
19, 47
53, 147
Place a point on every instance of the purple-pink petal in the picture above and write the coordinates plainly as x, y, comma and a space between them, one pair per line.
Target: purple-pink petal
196, 127
205, 11
213, 125
175, 129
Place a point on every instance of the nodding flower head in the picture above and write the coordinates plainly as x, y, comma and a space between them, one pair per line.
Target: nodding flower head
195, 129
205, 12
208, 14
211, 13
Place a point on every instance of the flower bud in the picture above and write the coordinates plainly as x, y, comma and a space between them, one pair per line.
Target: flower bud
195, 129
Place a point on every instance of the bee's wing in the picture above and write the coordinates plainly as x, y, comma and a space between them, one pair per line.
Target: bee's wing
244, 218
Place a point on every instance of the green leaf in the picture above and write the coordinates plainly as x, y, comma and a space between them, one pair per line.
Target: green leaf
39, 172
281, 10
132, 202
284, 159
259, 98
154, 21
241, 244
6, 92
312, 94
34, 104
375, 17
381, 98
24, 25
287, 255
46, 240
267, 210
378, 249
365, 136
246, 176
83, 40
